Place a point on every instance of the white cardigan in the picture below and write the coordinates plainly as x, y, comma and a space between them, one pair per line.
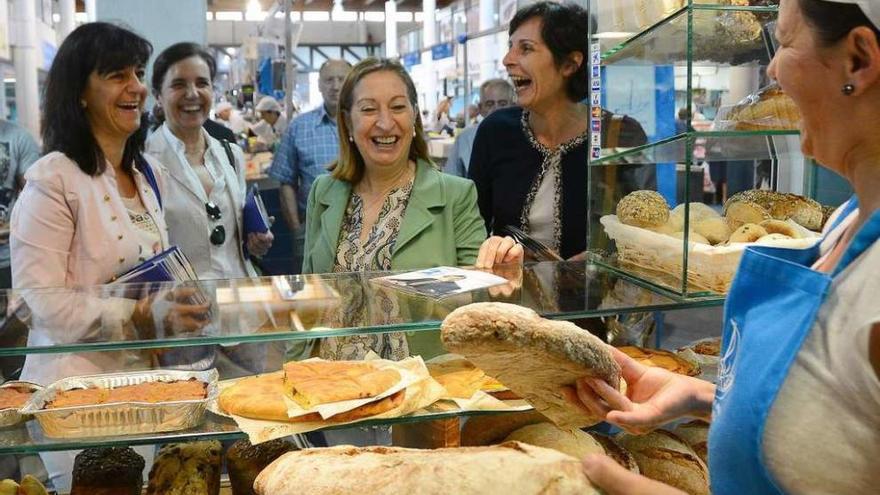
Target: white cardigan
184, 201
69, 229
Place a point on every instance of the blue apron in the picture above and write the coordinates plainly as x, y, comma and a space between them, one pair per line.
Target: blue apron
770, 310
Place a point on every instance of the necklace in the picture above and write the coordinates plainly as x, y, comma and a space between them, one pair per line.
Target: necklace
379, 199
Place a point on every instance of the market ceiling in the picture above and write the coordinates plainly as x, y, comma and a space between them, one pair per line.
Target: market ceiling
311, 5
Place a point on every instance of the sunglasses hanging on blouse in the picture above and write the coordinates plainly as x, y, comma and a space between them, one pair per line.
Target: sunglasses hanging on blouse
218, 234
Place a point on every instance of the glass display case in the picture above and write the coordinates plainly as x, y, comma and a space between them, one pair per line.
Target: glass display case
252, 326
682, 105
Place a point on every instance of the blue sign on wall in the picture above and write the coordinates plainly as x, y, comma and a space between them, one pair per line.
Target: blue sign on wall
441, 51
411, 58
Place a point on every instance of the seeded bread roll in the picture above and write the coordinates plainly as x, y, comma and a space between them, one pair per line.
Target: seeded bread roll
803, 211
575, 443
534, 357
827, 211
244, 462
185, 469
615, 451
509, 468
749, 232
665, 457
762, 197
643, 209
108, 471
696, 434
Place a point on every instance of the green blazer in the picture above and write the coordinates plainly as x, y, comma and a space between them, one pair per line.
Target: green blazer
441, 226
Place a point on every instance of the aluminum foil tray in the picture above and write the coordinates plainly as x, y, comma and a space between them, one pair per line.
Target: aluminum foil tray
124, 418
12, 416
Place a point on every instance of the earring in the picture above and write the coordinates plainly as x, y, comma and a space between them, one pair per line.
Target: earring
414, 132
848, 89
350, 139
82, 103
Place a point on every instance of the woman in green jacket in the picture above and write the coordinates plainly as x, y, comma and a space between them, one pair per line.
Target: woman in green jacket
384, 206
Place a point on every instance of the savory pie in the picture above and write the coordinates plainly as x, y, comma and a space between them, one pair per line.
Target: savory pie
13, 397
311, 383
151, 392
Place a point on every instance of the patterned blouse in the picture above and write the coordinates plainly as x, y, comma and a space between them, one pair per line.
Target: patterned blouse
373, 254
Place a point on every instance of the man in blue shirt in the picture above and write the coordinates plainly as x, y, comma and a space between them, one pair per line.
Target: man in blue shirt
18, 151
309, 146
494, 94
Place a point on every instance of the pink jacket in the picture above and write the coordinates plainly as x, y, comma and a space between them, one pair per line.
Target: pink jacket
71, 230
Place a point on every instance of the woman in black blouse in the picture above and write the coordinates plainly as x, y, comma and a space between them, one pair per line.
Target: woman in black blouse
530, 162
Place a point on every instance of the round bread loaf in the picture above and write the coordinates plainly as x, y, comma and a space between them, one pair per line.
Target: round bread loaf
780, 227
762, 197
244, 462
105, 470
615, 451
643, 209
534, 357
665, 457
744, 212
697, 212
510, 468
696, 435
749, 232
575, 443
494, 428
714, 229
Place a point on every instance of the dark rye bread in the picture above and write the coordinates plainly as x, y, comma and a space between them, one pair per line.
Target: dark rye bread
534, 357
108, 471
244, 462
665, 457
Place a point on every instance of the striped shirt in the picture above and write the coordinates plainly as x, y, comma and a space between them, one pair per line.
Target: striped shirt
309, 146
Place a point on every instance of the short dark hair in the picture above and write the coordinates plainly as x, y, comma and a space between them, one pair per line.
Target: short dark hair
832, 21
175, 53
564, 29
103, 48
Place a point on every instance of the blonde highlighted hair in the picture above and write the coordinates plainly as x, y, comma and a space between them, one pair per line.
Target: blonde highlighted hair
349, 166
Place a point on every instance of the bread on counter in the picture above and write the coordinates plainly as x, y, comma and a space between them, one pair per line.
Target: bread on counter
244, 462
576, 443
535, 357
186, 469
512, 468
108, 471
665, 457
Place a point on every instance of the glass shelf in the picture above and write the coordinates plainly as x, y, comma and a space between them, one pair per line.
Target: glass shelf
721, 34
710, 146
298, 308
29, 438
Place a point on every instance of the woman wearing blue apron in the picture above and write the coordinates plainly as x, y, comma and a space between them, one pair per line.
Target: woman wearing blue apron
796, 408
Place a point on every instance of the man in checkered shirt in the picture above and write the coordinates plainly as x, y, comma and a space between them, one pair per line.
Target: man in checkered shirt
309, 146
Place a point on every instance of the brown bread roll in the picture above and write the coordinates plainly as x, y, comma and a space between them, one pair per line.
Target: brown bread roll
511, 468
244, 462
108, 471
780, 227
534, 357
803, 211
743, 212
715, 229
665, 457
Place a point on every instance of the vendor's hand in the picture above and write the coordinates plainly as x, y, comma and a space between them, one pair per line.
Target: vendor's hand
654, 396
614, 479
259, 244
513, 272
174, 309
499, 250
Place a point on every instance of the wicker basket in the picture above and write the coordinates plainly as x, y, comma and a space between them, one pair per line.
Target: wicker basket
709, 267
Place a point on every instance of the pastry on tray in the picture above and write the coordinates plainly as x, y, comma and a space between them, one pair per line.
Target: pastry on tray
150, 392
108, 471
14, 397
262, 397
315, 382
661, 359
537, 358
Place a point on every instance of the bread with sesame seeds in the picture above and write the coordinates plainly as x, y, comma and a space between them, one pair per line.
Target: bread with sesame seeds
644, 209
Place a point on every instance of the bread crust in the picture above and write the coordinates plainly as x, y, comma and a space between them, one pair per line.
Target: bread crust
665, 457
534, 357
512, 467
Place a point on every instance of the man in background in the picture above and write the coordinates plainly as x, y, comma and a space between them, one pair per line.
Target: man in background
230, 117
309, 146
494, 94
18, 151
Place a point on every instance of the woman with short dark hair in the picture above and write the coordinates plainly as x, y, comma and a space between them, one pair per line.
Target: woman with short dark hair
530, 162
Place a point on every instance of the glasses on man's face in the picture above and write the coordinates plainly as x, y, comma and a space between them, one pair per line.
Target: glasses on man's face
218, 234
496, 103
